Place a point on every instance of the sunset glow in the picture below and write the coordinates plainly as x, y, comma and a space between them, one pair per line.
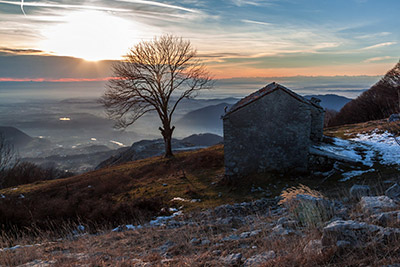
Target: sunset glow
91, 35
234, 38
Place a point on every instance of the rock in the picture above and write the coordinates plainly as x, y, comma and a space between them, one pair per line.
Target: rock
393, 192
356, 233
232, 259
39, 263
371, 205
166, 246
249, 234
231, 221
394, 117
205, 242
313, 247
260, 259
279, 230
386, 218
287, 223
231, 238
358, 191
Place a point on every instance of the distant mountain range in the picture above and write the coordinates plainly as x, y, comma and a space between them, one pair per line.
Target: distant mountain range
15, 137
207, 119
331, 101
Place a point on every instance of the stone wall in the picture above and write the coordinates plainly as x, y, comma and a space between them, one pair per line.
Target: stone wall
270, 134
317, 124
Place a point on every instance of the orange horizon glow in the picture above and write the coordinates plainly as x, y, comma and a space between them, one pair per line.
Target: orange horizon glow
53, 80
376, 69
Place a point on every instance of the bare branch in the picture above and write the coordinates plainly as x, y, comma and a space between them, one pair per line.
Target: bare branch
147, 78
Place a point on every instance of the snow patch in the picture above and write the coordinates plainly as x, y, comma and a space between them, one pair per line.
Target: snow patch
179, 199
384, 144
348, 175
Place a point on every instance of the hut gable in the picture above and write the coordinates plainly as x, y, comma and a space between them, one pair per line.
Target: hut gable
272, 129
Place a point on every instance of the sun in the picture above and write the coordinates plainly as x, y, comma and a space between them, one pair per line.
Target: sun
91, 35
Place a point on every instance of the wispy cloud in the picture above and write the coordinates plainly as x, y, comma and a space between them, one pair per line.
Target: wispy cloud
379, 45
159, 4
22, 51
251, 2
48, 4
255, 22
373, 35
377, 59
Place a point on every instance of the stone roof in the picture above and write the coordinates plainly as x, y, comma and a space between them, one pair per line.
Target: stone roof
272, 87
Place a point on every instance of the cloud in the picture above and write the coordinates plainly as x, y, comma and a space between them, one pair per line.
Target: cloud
255, 22
373, 35
158, 4
376, 59
47, 4
250, 3
22, 51
379, 45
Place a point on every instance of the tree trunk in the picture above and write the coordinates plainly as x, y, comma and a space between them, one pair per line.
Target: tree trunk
167, 135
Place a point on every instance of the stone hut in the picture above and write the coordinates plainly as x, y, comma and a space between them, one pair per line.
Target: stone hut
271, 130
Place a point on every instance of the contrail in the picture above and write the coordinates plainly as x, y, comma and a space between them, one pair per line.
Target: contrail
22, 7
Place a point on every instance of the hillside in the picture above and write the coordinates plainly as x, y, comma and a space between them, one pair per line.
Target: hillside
143, 187
182, 212
150, 148
15, 137
379, 102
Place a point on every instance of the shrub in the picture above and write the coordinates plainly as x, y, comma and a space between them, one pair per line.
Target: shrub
309, 207
27, 172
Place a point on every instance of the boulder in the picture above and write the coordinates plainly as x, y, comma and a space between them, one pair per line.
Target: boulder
260, 259
232, 259
355, 233
373, 205
393, 192
250, 234
358, 191
280, 231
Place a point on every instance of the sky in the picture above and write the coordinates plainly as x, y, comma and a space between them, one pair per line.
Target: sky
78, 40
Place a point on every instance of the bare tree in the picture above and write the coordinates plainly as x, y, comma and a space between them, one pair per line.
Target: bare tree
8, 158
155, 76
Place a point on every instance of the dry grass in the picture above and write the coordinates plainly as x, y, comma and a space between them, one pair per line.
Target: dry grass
289, 195
351, 130
305, 210
145, 246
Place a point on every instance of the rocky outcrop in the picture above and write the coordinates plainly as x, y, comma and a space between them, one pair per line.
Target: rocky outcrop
393, 192
371, 205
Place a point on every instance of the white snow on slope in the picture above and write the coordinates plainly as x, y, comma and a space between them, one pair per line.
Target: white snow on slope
350, 150
384, 144
368, 149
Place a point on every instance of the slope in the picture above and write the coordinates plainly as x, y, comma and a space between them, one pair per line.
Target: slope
379, 102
